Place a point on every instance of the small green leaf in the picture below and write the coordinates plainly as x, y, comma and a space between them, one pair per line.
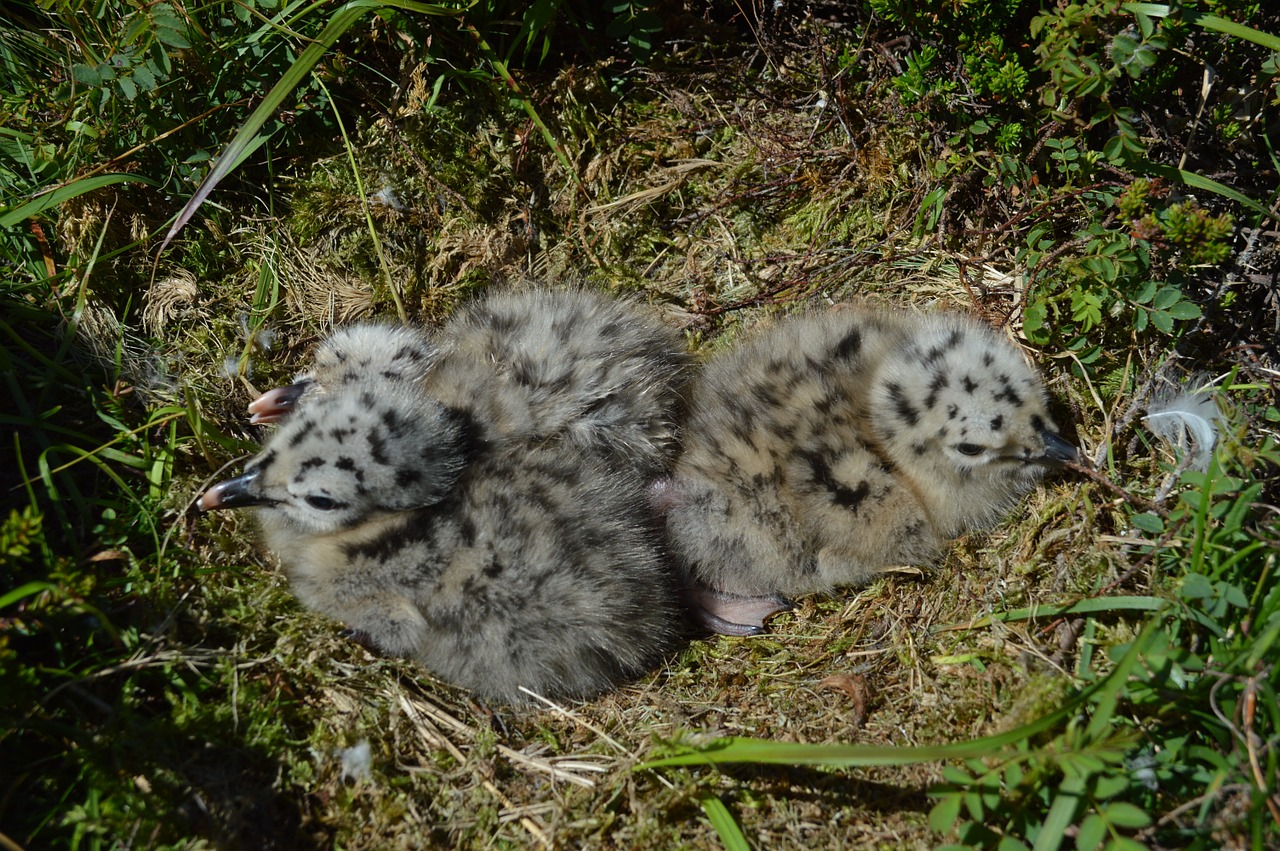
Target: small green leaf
172, 38
1166, 298
973, 803
1195, 587
1148, 523
1082, 763
1091, 833
1233, 595
618, 28
86, 75
1013, 775
82, 129
1109, 785
1121, 814
942, 817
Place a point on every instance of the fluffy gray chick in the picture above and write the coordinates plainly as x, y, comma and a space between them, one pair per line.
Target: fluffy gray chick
594, 372
496, 567
834, 445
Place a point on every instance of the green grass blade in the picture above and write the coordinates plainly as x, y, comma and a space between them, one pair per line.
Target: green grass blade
37, 205
1210, 22
1090, 605
28, 590
1062, 814
741, 749
1198, 181
527, 105
364, 204
1108, 690
725, 824
735, 749
247, 137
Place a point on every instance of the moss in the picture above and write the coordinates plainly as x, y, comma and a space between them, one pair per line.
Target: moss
213, 714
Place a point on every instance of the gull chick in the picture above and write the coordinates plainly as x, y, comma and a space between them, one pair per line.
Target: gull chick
594, 372
832, 446
598, 373
495, 566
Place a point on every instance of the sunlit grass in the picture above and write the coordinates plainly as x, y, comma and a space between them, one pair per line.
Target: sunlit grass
1098, 672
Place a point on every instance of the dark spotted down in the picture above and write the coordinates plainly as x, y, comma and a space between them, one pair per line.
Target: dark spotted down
813, 461
575, 366
597, 373
477, 500
520, 576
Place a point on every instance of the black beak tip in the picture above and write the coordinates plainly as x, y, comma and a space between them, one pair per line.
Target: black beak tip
1057, 450
233, 493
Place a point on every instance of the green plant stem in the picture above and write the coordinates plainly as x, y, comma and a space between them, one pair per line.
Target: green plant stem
364, 205
741, 749
527, 105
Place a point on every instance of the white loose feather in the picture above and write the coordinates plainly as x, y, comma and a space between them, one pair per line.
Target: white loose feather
357, 761
1190, 415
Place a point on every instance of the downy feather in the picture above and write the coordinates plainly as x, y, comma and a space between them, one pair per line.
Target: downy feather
1190, 414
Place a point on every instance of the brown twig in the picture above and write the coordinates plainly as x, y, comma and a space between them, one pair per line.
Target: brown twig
1110, 486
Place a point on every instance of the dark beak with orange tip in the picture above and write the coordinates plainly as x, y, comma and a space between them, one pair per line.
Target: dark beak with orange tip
274, 404
240, 492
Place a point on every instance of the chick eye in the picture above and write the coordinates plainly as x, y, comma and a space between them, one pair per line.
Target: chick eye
970, 449
323, 503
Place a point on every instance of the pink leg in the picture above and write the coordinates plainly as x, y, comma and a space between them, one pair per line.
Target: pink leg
732, 614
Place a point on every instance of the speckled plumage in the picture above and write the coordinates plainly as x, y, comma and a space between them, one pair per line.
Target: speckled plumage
596, 372
831, 446
372, 354
476, 499
530, 365
495, 566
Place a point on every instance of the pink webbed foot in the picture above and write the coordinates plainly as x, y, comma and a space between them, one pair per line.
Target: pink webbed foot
716, 611
733, 614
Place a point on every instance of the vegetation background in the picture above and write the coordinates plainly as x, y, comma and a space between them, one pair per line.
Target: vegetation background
1099, 178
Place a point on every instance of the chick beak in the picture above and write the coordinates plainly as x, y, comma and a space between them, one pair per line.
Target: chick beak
1056, 450
233, 493
274, 404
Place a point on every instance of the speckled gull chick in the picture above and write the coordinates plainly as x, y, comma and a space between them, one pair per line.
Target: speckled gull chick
530, 365
831, 446
401, 503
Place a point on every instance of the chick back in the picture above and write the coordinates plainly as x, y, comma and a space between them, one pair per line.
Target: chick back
598, 373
